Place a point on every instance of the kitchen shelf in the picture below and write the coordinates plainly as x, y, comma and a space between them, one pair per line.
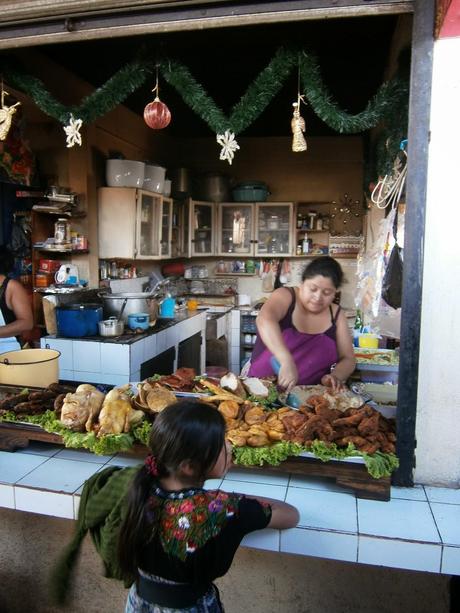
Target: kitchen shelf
66, 251
235, 274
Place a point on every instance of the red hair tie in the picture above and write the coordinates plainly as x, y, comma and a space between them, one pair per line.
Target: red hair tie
151, 464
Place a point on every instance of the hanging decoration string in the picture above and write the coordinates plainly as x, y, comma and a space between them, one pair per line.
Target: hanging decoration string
389, 99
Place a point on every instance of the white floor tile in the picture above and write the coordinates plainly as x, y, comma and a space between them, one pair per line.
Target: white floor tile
450, 560
122, 460
443, 494
409, 493
6, 496
60, 475
267, 539
82, 455
254, 489
14, 466
257, 476
318, 483
326, 510
44, 449
406, 519
399, 554
447, 517
320, 544
45, 503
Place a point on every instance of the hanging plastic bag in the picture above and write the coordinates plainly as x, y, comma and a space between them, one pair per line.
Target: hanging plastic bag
392, 280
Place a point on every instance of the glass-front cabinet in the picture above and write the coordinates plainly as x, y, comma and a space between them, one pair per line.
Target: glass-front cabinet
153, 226
255, 228
235, 228
274, 229
201, 228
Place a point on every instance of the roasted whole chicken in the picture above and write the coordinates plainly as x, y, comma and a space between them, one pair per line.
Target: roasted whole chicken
80, 410
117, 414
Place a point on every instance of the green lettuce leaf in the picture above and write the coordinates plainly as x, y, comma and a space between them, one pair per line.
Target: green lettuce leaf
141, 432
274, 455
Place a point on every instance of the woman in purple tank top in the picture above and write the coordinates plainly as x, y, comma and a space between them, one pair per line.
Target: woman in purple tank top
305, 332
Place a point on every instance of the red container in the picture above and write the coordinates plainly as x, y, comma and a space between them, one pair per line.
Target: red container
50, 266
175, 269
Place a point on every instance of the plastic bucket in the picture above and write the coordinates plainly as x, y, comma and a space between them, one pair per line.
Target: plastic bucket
29, 367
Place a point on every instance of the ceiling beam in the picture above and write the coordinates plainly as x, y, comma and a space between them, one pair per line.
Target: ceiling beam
72, 21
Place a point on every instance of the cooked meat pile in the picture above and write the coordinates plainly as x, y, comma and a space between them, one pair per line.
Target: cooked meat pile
366, 428
35, 402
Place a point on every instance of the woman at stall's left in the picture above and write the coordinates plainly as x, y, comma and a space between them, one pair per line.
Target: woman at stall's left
15, 308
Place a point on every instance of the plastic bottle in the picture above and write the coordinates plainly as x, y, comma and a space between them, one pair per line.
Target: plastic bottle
357, 328
305, 245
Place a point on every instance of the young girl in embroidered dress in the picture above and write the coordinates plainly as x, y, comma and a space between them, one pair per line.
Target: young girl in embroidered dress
176, 536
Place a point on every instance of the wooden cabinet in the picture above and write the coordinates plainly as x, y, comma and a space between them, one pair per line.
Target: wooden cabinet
134, 224
255, 229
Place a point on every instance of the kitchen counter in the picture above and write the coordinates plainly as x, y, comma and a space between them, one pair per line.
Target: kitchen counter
120, 360
419, 529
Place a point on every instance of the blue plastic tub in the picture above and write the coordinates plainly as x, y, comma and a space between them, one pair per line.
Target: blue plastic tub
77, 320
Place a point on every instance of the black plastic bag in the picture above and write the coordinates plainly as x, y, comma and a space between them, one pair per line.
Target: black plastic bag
392, 280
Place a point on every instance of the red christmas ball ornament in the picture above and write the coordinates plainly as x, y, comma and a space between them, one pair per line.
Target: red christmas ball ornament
157, 115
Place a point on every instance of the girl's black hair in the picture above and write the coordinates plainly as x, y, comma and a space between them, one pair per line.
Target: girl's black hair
6, 260
186, 431
326, 267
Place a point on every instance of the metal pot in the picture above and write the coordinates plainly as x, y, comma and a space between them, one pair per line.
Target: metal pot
111, 327
213, 188
140, 302
181, 182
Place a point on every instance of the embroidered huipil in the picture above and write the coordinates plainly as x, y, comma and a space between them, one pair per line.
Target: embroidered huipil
198, 533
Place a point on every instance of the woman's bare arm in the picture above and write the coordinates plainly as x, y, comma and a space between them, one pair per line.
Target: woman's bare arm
346, 362
269, 330
18, 301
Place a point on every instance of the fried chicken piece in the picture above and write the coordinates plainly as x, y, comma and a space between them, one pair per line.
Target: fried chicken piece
369, 425
258, 440
319, 428
229, 409
357, 441
327, 413
237, 437
285, 411
232, 424
255, 415
342, 431
275, 435
351, 420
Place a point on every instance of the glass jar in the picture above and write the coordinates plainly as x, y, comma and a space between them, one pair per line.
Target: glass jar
62, 231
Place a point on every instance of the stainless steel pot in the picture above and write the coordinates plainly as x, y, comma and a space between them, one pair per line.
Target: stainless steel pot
140, 302
213, 188
181, 182
111, 327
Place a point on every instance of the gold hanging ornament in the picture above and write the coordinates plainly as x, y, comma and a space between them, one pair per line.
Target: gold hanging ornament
6, 115
298, 122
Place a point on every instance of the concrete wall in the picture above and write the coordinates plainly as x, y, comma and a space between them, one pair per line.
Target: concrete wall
258, 582
438, 390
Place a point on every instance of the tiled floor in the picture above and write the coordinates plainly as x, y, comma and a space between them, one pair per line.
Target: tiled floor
419, 529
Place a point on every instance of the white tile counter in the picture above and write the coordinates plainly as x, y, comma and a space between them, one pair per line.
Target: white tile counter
419, 529
116, 361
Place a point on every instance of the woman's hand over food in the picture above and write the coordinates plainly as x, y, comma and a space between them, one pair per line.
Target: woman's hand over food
333, 382
288, 375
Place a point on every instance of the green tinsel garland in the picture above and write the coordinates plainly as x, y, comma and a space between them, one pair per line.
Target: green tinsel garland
389, 105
